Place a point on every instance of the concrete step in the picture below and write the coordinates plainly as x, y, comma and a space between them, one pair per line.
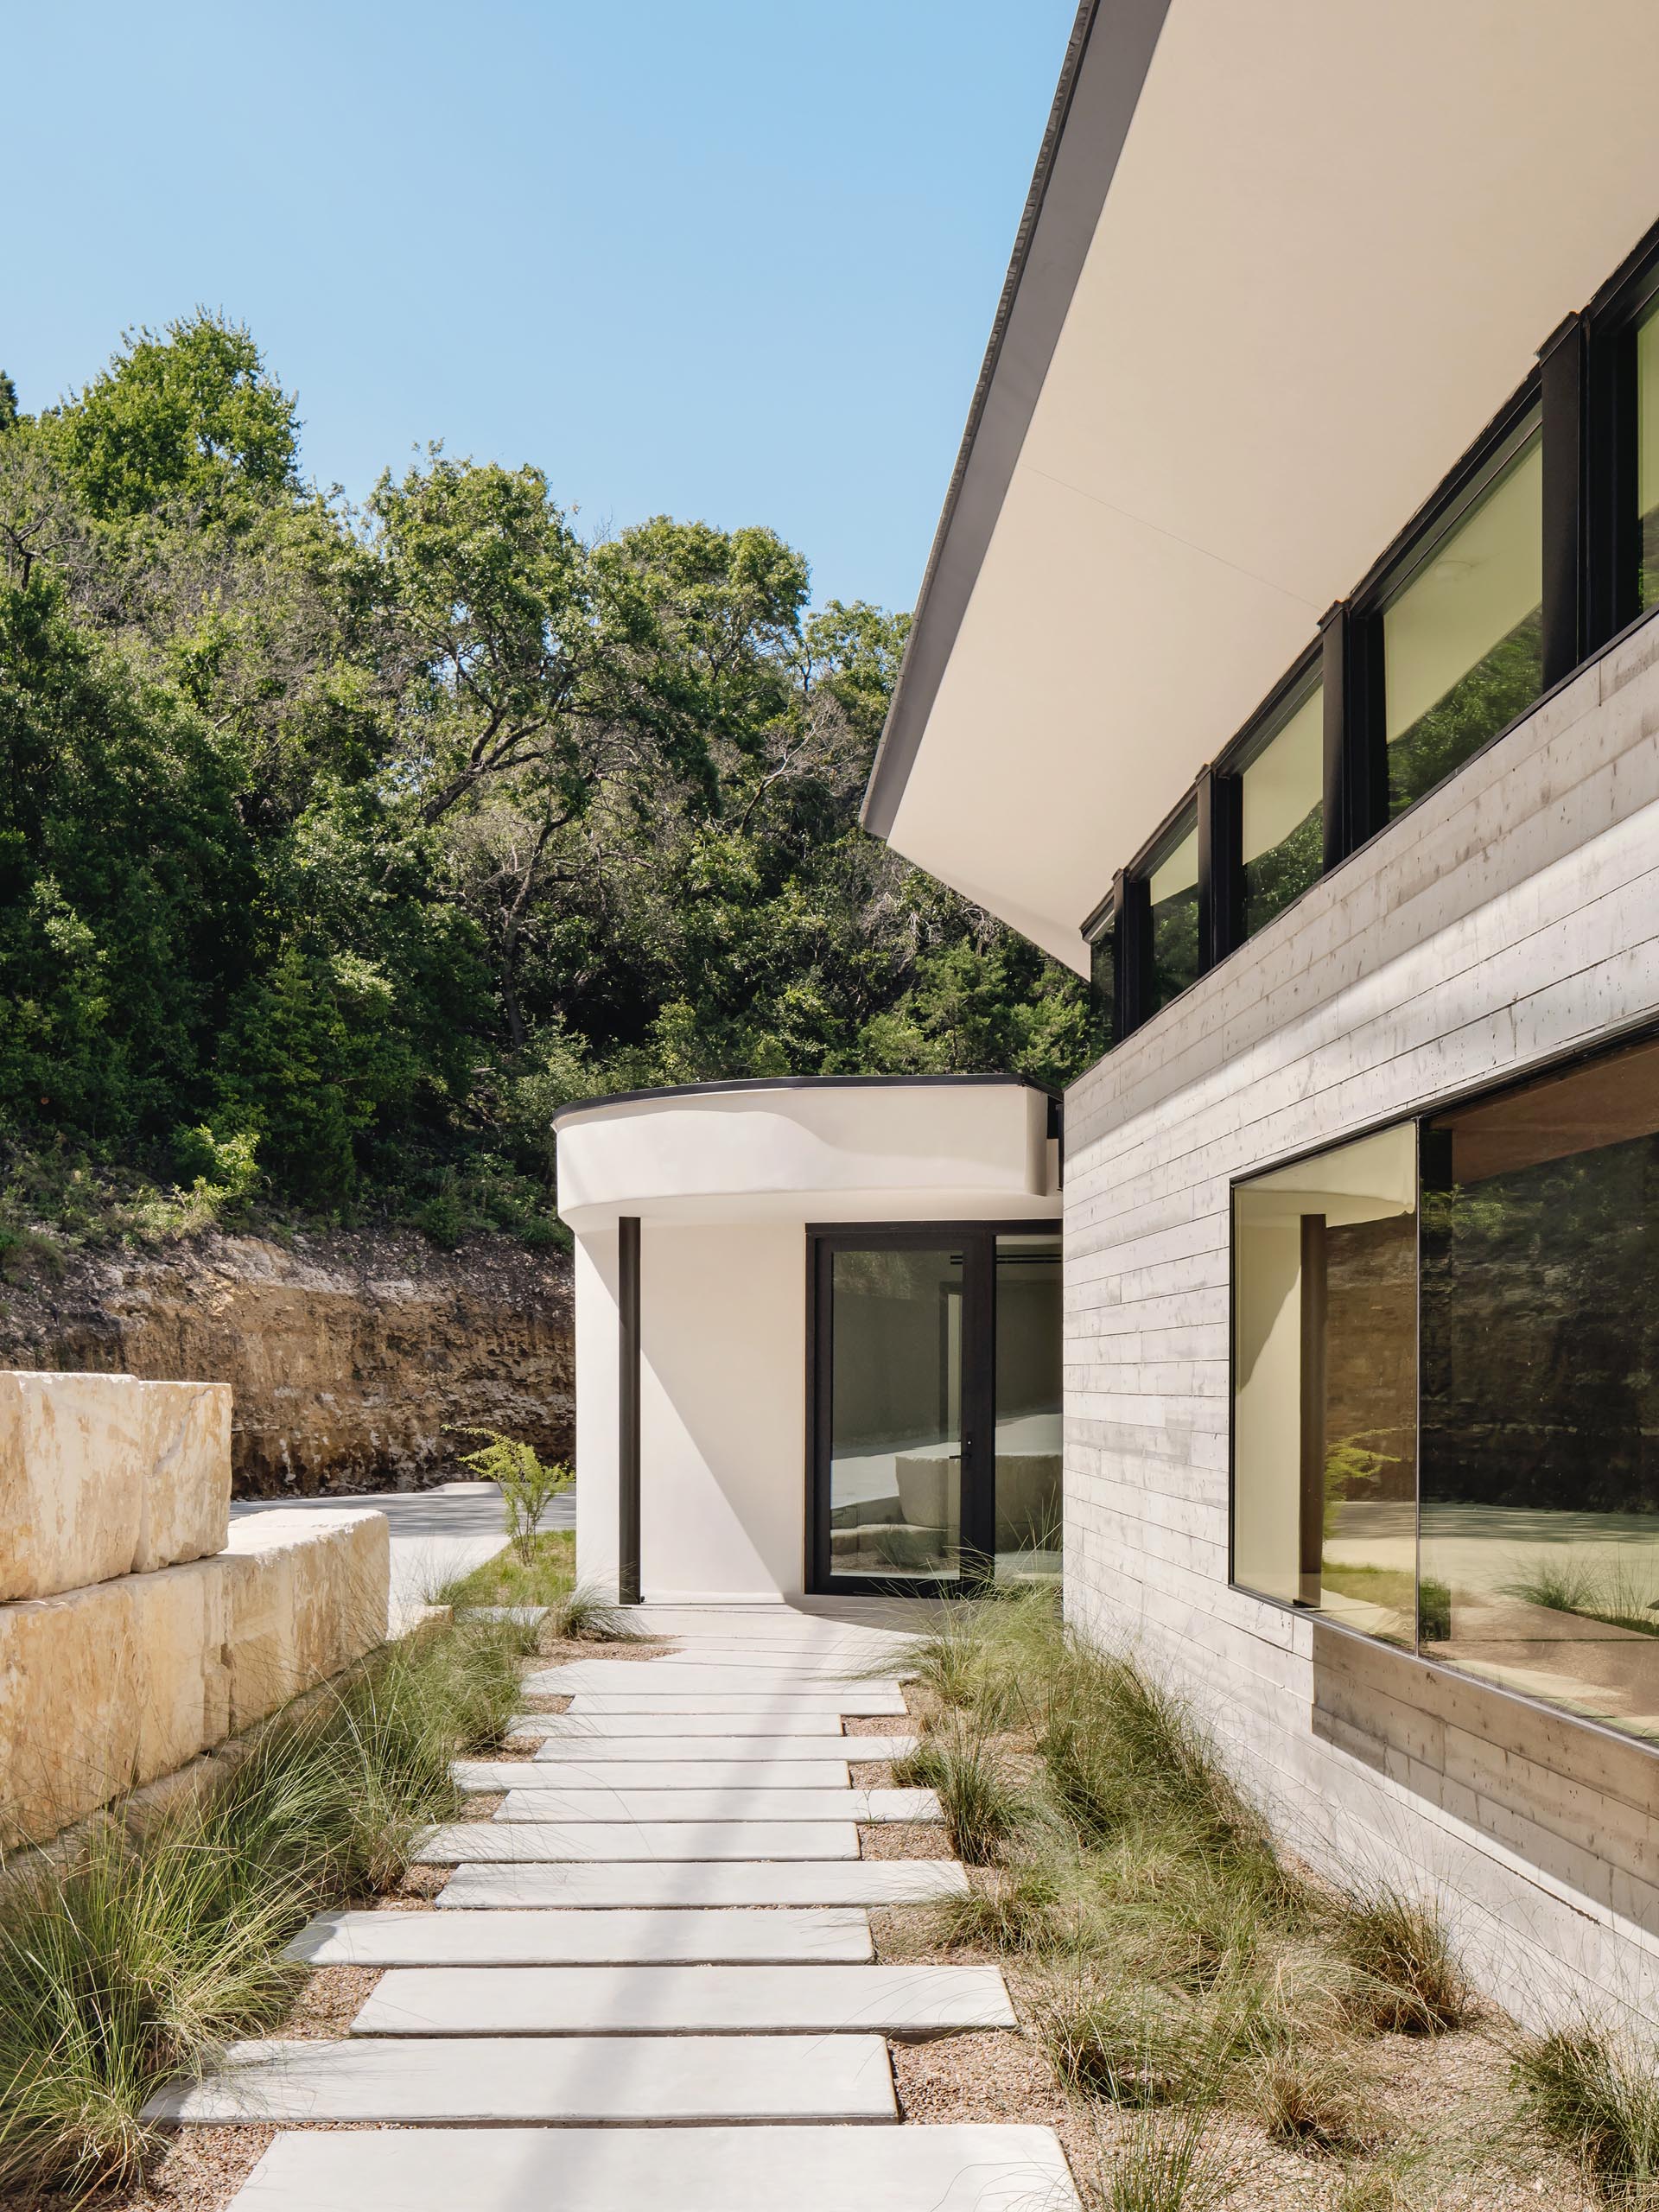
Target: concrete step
496, 1842
696, 1680
677, 1726
959, 2168
566, 1744
911, 2003
781, 1705
562, 2080
606, 1778
760, 1802
681, 1884
837, 1935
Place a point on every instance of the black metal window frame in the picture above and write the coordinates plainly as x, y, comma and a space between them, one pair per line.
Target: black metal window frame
823, 1241
1417, 1118
1584, 393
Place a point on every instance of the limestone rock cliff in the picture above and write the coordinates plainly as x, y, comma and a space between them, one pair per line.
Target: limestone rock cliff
351, 1356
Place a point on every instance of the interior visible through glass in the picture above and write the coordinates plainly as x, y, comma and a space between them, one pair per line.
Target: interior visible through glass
1103, 988
1173, 889
1283, 806
895, 1471
1541, 1389
1028, 1365
1463, 642
1325, 1385
1647, 459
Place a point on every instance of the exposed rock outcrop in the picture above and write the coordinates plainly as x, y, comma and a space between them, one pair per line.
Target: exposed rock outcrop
352, 1356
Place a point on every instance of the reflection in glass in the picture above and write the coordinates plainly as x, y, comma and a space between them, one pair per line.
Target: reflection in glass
1541, 1389
1463, 642
1325, 1385
1283, 800
1103, 988
1647, 459
1028, 1362
1173, 889
895, 1449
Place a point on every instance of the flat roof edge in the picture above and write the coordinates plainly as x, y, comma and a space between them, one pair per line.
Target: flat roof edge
717, 1089
1107, 58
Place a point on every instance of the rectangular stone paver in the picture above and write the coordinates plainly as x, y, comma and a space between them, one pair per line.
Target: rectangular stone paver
709, 1681
838, 1935
759, 1802
573, 2081
487, 1841
592, 1751
787, 1705
605, 1778
910, 2002
541, 1883
677, 1726
953, 2169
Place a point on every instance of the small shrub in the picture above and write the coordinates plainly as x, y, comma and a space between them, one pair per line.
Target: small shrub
1165, 2166
528, 1483
1310, 2100
1409, 1982
983, 1807
1597, 2094
441, 1219
1019, 1911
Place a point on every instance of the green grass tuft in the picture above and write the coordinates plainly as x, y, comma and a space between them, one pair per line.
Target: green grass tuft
1596, 2093
1408, 1979
153, 1950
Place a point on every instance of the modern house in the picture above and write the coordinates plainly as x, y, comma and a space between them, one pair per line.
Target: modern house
1287, 659
818, 1335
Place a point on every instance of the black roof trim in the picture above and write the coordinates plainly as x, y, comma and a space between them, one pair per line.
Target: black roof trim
793, 1082
1106, 61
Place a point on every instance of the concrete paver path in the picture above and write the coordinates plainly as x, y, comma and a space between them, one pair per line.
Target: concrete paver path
650, 1984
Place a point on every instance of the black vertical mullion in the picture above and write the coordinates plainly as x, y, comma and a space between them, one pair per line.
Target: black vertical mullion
1355, 752
978, 1404
1221, 866
627, 1426
1564, 400
1611, 537
1132, 897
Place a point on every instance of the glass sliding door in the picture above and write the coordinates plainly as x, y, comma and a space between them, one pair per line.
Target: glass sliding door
894, 1471
1026, 1541
936, 1413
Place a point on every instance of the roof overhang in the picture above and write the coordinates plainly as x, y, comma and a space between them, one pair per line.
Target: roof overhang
1280, 265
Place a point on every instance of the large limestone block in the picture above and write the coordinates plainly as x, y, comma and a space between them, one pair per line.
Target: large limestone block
103, 1475
106, 1688
306, 1593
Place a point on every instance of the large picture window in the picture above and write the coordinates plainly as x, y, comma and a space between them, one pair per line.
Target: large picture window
1282, 805
1173, 890
1446, 1395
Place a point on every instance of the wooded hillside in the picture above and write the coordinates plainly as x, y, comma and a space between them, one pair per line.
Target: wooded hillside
339, 846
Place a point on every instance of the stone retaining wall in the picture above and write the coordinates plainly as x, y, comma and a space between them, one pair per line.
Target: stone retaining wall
139, 1628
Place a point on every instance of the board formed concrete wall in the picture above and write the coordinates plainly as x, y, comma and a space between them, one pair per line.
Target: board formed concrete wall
1512, 916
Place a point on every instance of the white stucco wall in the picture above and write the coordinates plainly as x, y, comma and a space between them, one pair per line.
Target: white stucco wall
724, 1183
1511, 917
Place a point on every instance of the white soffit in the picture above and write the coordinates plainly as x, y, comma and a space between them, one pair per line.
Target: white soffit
1336, 236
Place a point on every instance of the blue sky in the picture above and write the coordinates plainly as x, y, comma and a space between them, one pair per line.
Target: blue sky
728, 258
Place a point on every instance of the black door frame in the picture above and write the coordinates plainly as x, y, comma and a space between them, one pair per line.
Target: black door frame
978, 1502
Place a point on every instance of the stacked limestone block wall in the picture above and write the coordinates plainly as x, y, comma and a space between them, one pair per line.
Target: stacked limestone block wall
137, 1627
1512, 916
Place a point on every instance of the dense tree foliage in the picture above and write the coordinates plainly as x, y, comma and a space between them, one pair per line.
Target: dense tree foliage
338, 847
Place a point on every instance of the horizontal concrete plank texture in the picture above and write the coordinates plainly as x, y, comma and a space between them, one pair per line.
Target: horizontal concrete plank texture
634, 1885
909, 2002
574, 2081
607, 1777
960, 2169
574, 1937
579, 1807
487, 1841
573, 1748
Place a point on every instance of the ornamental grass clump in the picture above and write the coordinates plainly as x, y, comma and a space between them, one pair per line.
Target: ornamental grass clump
1407, 1979
984, 1805
158, 1945
1596, 2092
